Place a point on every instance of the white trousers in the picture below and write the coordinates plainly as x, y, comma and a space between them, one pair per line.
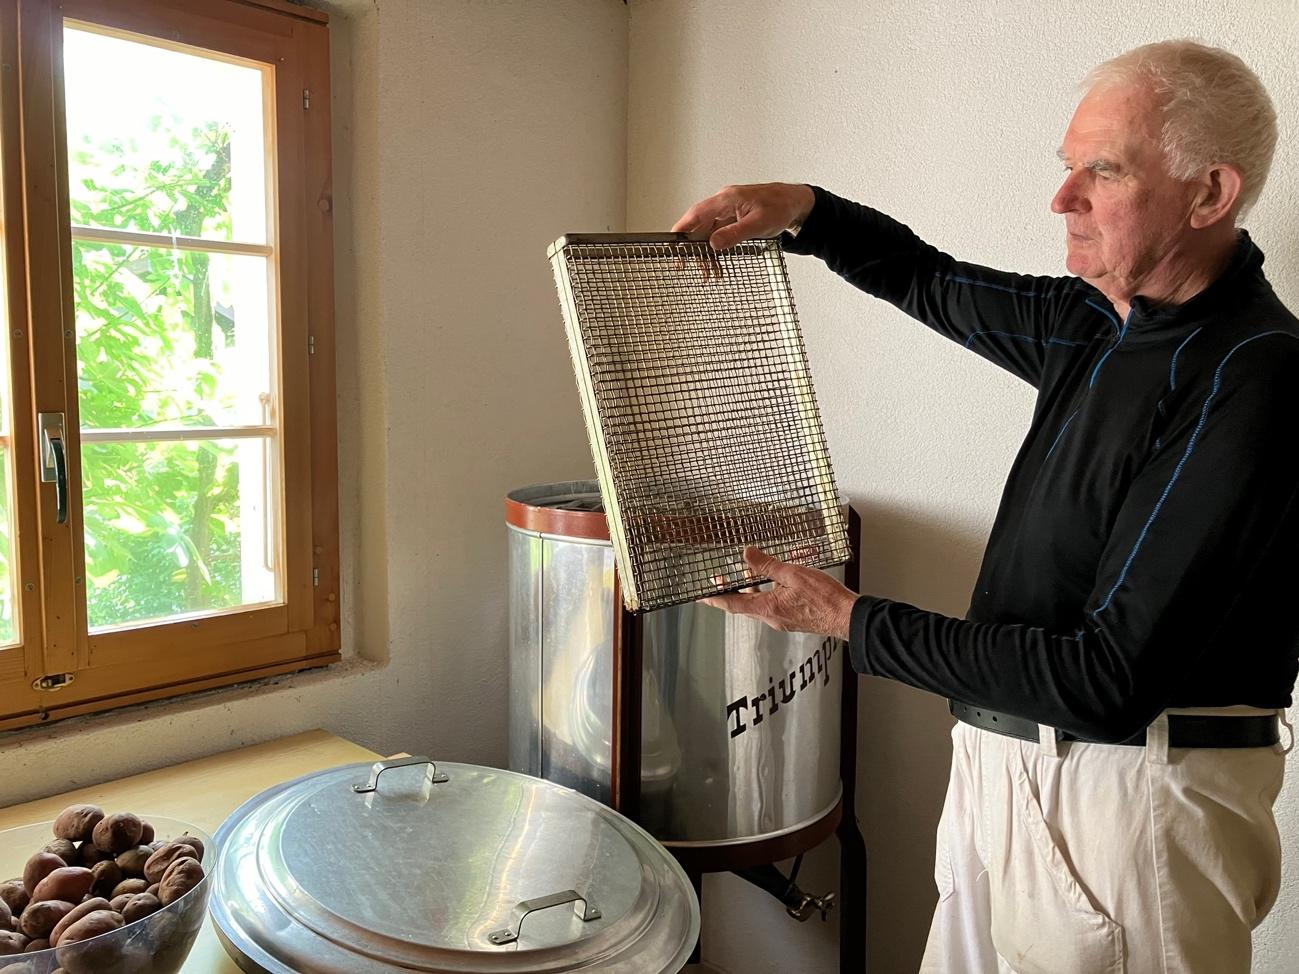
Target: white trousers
1103, 859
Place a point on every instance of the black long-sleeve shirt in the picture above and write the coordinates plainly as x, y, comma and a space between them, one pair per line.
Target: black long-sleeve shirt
1146, 551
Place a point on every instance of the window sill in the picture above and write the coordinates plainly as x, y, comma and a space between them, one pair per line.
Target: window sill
187, 706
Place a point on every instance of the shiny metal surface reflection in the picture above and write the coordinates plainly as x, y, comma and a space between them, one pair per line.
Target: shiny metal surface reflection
477, 872
740, 728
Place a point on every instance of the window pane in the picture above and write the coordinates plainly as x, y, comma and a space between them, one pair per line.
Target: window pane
171, 337
8, 621
9, 629
157, 137
177, 527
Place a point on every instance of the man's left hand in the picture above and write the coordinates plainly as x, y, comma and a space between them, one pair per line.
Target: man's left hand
801, 599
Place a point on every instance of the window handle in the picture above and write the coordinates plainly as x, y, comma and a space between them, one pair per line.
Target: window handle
54, 460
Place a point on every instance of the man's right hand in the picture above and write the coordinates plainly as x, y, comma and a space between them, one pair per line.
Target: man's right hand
739, 213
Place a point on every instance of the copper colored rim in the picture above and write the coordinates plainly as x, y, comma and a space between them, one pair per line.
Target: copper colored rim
590, 525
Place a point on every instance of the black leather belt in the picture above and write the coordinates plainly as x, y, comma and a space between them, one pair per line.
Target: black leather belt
1184, 730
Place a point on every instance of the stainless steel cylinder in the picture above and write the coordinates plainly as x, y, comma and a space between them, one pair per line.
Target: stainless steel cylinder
740, 723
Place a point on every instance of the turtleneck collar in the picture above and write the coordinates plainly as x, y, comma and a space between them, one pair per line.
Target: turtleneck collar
1156, 321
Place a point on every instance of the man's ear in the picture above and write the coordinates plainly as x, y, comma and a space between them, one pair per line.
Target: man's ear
1217, 195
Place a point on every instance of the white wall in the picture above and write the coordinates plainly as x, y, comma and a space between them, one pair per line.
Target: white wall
468, 136
946, 115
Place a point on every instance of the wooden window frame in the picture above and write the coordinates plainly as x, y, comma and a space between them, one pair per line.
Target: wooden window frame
148, 662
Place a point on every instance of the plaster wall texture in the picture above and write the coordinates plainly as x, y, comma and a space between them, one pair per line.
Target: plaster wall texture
946, 116
467, 137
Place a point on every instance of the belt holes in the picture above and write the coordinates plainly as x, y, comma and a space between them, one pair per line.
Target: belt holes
994, 718
978, 713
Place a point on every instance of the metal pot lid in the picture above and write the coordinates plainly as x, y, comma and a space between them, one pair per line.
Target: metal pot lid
452, 868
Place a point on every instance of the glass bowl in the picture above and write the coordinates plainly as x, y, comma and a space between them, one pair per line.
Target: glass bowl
156, 944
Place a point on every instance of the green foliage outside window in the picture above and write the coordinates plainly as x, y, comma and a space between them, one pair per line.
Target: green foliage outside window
161, 518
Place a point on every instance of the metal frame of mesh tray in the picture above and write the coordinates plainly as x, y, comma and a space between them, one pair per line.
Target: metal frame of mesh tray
700, 411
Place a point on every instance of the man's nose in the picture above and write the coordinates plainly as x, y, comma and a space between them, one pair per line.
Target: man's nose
1069, 198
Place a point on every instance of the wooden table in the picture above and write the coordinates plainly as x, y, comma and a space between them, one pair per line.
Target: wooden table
204, 792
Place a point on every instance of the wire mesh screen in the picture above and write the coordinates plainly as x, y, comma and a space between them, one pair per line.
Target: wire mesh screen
700, 410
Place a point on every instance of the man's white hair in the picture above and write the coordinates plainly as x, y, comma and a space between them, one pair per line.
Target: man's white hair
1215, 109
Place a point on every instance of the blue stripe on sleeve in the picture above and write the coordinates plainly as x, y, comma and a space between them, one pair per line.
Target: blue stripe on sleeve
1021, 338
958, 279
996, 287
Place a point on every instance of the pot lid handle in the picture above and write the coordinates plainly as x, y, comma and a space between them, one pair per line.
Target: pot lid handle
379, 767
507, 935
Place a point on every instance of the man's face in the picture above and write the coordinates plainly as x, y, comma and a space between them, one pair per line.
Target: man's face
1123, 213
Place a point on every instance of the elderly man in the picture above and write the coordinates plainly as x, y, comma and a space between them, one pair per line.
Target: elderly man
1131, 639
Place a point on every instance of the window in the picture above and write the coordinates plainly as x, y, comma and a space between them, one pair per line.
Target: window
168, 466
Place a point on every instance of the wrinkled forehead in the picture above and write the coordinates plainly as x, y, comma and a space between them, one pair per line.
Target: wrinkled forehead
1115, 120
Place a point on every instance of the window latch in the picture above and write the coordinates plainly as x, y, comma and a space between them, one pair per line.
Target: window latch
55, 681
54, 460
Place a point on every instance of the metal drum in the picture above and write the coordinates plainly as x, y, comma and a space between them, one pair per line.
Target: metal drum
740, 724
